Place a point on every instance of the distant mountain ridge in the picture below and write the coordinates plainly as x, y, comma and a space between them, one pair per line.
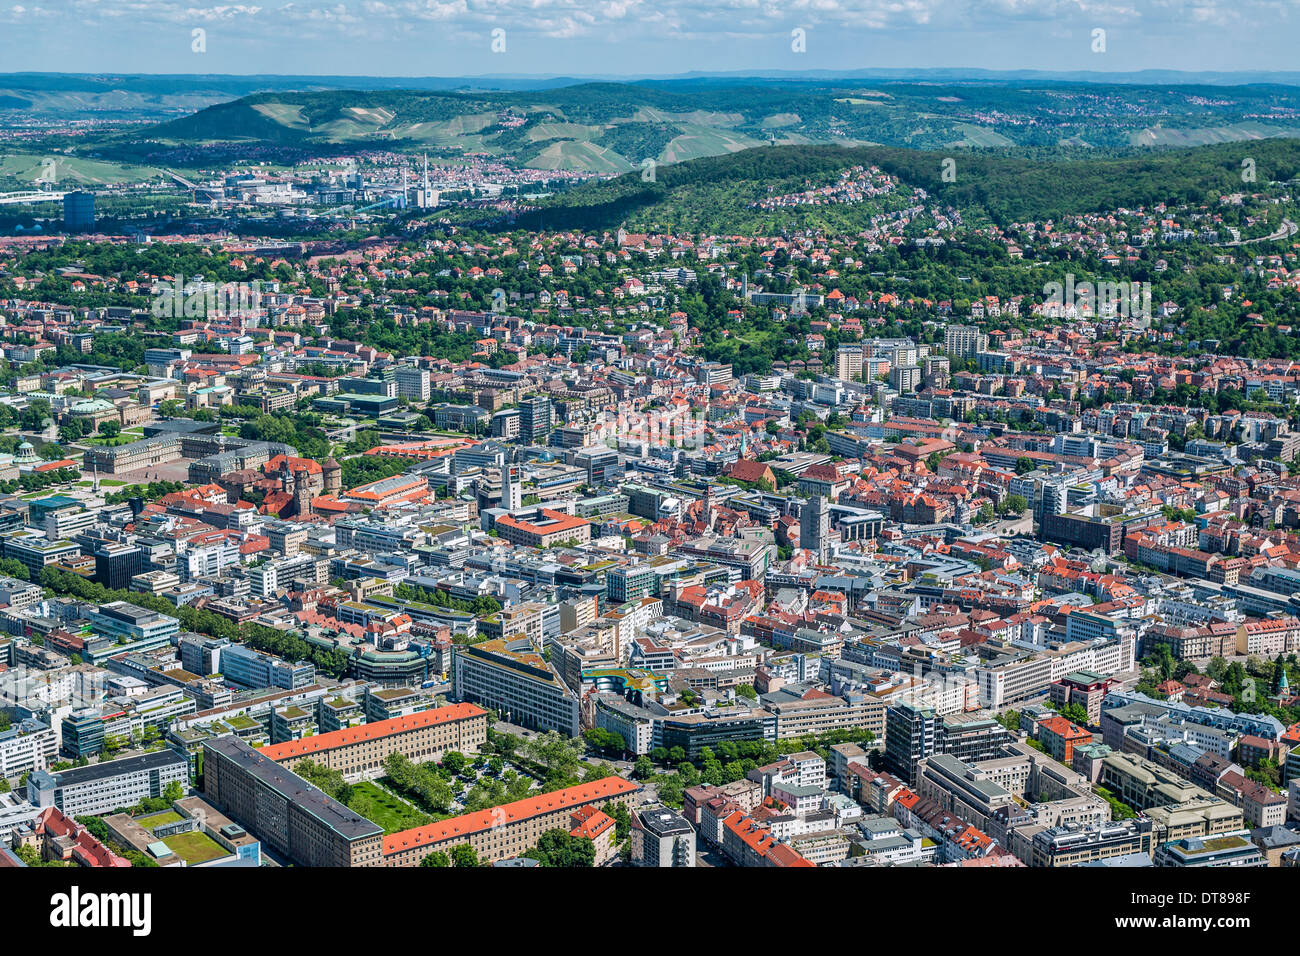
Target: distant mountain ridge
609, 128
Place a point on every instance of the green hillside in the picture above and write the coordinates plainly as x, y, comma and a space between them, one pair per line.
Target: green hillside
716, 194
603, 128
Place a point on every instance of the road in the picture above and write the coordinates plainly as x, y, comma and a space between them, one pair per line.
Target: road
1285, 231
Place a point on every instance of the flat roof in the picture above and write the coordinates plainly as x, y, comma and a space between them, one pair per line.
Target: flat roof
101, 771
339, 818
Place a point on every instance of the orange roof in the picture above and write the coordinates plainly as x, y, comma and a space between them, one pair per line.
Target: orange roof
590, 822
1063, 728
464, 826
556, 522
372, 731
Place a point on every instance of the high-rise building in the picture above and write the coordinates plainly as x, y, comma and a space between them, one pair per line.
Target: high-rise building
79, 210
116, 563
905, 379
909, 739
964, 341
413, 383
848, 363
536, 419
815, 527
512, 489
913, 734
662, 838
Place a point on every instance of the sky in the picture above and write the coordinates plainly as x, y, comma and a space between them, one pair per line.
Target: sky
641, 37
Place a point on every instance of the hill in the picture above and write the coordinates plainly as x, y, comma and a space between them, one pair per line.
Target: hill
722, 193
603, 128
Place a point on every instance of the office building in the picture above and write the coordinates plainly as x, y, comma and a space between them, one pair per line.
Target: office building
536, 420
100, 788
27, 745
1225, 850
512, 678
253, 669
1076, 843
662, 838
116, 563
137, 626
284, 811
629, 582
543, 528
909, 738
413, 383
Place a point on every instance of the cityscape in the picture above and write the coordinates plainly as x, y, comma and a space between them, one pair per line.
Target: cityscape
817, 466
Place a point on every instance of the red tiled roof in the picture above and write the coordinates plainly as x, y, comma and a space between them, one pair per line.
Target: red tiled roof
467, 824
371, 731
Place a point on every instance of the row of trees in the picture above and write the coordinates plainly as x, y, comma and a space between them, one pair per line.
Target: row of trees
331, 661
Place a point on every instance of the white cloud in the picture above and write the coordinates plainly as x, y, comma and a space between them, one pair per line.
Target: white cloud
361, 36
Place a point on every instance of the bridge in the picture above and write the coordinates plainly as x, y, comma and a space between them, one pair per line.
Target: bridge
30, 196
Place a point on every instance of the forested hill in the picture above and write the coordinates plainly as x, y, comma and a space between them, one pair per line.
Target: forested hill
717, 194
610, 128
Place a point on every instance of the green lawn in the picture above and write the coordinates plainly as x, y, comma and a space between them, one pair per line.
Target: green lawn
159, 819
195, 847
104, 442
381, 807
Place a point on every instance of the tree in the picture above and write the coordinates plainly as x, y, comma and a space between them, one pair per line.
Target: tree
558, 755
604, 741
173, 791
436, 858
671, 789
560, 848
1024, 465
73, 431
13, 568
1075, 713
622, 822
1013, 504
454, 761
326, 779
110, 428
464, 855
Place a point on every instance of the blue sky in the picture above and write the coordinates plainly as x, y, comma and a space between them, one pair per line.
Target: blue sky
576, 37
